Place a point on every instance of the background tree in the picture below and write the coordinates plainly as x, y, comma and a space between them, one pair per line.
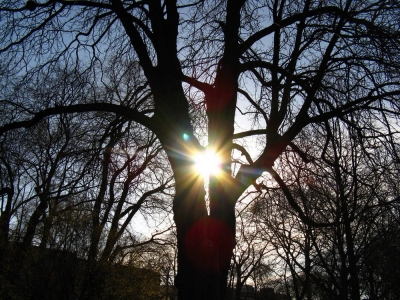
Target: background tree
60, 200
159, 254
345, 187
287, 66
251, 263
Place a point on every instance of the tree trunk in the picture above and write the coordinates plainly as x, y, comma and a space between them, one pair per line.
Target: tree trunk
353, 269
34, 220
239, 283
5, 216
47, 224
205, 243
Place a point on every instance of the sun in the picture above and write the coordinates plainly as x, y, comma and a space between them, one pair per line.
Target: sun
207, 163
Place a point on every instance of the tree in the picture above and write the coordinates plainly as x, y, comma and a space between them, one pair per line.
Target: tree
60, 200
250, 264
360, 195
159, 255
380, 272
285, 65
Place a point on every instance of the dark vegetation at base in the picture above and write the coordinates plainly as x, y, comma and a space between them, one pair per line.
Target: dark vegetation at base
49, 274
249, 293
42, 273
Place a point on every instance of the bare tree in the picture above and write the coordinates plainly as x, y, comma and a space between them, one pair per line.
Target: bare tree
250, 265
285, 65
351, 189
60, 200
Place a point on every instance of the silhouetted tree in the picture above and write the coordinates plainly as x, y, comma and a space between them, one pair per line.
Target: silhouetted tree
285, 65
59, 201
357, 192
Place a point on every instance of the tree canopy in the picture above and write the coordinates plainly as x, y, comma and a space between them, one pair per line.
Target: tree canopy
282, 91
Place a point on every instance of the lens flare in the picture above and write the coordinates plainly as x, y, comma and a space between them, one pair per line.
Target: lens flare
186, 137
207, 163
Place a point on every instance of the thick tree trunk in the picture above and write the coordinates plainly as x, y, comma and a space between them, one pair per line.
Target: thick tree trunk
205, 243
5, 217
204, 251
4, 228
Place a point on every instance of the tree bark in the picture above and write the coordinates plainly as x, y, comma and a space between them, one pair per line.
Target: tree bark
205, 243
5, 216
34, 220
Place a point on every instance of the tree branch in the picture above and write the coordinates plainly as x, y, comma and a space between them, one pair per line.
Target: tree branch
105, 107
